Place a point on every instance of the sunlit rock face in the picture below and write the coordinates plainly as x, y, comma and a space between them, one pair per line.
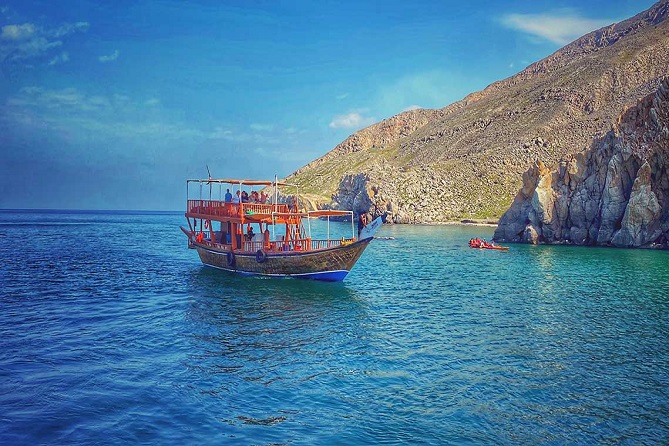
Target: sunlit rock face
614, 194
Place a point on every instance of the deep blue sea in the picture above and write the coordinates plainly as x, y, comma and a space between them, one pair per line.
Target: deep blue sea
112, 332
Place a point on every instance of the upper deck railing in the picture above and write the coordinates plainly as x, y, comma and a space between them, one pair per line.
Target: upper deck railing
219, 208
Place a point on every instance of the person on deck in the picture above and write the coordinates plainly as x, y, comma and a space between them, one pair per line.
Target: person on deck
266, 242
362, 222
236, 199
228, 196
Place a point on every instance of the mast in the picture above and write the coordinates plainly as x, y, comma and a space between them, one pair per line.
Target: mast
210, 184
276, 192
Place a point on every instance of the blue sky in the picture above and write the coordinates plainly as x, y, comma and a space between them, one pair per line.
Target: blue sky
112, 105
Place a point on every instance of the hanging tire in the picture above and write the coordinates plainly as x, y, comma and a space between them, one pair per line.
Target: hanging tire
230, 257
260, 256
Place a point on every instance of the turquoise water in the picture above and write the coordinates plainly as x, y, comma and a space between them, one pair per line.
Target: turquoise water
112, 332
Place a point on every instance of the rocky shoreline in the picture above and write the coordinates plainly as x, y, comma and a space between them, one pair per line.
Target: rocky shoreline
614, 194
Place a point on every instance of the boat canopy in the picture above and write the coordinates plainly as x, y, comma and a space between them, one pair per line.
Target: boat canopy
239, 182
328, 213
308, 214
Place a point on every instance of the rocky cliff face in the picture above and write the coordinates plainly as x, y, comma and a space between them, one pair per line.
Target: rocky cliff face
466, 160
614, 194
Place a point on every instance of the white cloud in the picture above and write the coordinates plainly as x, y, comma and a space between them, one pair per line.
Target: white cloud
28, 41
221, 133
17, 32
61, 58
261, 127
39, 98
110, 58
431, 89
74, 112
70, 28
353, 120
560, 27
412, 107
30, 48
73, 102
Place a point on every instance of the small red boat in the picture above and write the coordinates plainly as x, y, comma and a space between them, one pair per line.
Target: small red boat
483, 244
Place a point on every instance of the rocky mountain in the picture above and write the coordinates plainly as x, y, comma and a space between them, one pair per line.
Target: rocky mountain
616, 193
466, 160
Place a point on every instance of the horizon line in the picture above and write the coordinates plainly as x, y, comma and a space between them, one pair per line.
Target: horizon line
101, 211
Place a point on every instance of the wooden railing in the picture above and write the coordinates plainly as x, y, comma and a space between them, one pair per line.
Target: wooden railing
275, 246
222, 209
213, 207
324, 244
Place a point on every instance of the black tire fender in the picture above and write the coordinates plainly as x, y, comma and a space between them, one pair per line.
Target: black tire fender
230, 257
260, 256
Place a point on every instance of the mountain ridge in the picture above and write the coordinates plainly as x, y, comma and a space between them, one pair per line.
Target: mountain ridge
468, 157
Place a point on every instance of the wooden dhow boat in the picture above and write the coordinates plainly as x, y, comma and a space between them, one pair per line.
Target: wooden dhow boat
224, 233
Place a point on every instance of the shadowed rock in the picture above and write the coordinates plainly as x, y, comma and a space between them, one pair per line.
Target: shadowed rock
614, 194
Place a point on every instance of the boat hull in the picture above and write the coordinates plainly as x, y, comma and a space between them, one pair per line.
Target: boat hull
495, 248
331, 265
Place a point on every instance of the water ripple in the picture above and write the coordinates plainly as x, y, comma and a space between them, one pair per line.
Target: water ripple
112, 332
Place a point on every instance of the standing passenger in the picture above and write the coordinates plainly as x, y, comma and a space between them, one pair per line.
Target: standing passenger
362, 222
228, 196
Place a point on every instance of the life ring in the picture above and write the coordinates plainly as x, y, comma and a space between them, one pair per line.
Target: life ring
206, 224
261, 256
230, 258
